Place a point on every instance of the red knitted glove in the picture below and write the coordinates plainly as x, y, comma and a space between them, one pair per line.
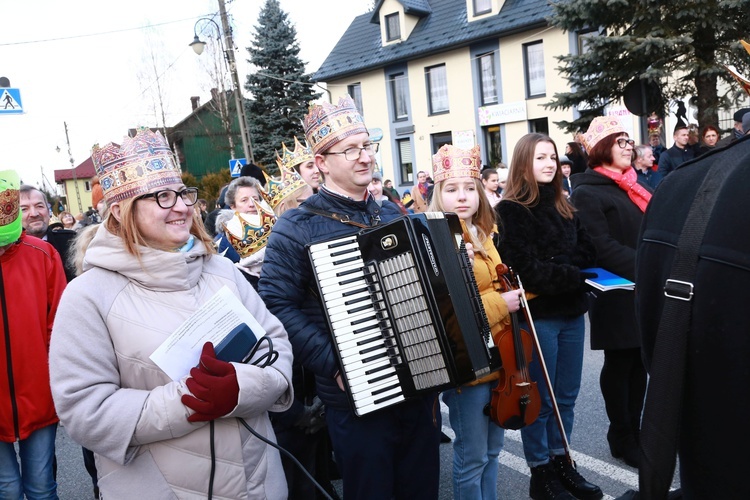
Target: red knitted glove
214, 386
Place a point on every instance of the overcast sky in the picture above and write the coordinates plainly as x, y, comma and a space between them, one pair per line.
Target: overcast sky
89, 63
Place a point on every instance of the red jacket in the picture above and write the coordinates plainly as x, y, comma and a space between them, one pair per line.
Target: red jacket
32, 280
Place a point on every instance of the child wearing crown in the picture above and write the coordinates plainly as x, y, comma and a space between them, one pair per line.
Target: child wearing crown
391, 453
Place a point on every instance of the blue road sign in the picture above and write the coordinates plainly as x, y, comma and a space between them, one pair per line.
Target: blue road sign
235, 166
10, 101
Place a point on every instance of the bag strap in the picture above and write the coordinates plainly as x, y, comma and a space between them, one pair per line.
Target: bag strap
660, 429
344, 219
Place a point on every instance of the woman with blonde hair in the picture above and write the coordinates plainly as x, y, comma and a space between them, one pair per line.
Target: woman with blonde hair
478, 442
546, 245
148, 268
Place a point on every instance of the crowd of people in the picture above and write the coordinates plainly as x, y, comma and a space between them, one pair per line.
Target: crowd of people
94, 298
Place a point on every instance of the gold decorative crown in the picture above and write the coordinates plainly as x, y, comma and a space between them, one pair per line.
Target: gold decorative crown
601, 127
142, 163
450, 162
326, 124
290, 159
248, 233
277, 190
10, 207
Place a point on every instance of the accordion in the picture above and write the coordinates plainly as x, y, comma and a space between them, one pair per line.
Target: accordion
404, 310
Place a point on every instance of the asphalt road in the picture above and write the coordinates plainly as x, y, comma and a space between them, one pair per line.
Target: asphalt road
588, 443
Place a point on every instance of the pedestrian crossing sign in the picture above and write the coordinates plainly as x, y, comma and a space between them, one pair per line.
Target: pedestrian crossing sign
10, 101
235, 166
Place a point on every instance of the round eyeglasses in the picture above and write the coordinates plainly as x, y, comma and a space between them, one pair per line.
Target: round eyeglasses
353, 154
167, 198
622, 142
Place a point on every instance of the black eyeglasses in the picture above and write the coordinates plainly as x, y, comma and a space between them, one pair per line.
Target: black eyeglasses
353, 154
167, 198
622, 142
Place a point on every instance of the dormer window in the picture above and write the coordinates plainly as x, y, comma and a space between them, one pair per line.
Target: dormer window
482, 7
392, 27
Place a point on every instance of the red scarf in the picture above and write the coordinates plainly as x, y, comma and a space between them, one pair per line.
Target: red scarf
628, 182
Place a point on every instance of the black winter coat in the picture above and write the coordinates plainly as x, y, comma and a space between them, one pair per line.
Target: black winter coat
547, 252
714, 438
613, 222
288, 287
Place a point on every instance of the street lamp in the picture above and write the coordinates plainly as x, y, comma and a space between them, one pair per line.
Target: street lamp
227, 47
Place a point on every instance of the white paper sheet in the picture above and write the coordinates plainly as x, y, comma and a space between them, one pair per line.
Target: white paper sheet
210, 323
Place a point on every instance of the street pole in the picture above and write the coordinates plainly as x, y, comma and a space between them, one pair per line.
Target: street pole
75, 176
238, 100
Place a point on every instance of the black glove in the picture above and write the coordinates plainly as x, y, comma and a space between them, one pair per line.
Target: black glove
561, 259
313, 417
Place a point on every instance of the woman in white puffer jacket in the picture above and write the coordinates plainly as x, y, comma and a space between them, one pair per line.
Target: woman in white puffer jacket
147, 270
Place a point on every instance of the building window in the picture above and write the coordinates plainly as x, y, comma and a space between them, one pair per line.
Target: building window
406, 164
438, 140
392, 27
488, 79
399, 91
534, 66
540, 126
355, 91
87, 186
482, 6
494, 144
437, 89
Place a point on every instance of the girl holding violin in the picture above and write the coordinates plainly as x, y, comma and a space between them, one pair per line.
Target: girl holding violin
478, 442
546, 245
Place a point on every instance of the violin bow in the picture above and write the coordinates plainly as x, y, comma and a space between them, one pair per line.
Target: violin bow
558, 417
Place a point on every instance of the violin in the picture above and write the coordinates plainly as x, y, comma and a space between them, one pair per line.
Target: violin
515, 400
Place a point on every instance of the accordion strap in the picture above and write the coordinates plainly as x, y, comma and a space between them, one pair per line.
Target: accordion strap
344, 219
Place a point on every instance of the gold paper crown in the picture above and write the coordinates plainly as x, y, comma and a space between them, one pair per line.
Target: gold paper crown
248, 233
277, 190
601, 127
139, 165
450, 162
290, 159
327, 124
743, 80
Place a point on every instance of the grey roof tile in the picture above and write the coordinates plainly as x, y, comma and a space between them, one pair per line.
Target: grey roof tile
445, 27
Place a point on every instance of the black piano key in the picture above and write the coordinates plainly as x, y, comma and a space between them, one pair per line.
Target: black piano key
344, 261
344, 252
363, 330
378, 369
359, 309
373, 358
371, 349
354, 292
362, 320
385, 389
365, 342
378, 379
340, 243
382, 400
350, 271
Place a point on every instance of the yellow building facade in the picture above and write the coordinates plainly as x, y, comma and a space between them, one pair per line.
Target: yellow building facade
461, 72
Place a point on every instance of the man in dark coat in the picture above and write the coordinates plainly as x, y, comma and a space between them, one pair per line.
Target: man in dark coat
392, 452
36, 217
679, 153
714, 407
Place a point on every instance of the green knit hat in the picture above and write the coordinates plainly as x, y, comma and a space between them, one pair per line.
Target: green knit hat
10, 207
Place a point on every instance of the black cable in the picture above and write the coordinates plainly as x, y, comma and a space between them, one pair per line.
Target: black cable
213, 462
266, 359
288, 455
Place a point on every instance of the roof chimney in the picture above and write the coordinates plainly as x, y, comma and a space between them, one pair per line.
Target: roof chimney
195, 102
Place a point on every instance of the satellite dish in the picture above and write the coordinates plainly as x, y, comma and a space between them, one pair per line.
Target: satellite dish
4, 82
642, 97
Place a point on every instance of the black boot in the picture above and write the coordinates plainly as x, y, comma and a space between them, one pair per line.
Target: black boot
573, 481
545, 485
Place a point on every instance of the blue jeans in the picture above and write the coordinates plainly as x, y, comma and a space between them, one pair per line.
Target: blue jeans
35, 478
477, 445
561, 340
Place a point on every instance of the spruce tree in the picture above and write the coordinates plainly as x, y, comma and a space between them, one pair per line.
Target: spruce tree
679, 45
280, 89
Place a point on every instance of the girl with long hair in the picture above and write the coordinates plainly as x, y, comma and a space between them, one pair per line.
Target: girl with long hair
544, 242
